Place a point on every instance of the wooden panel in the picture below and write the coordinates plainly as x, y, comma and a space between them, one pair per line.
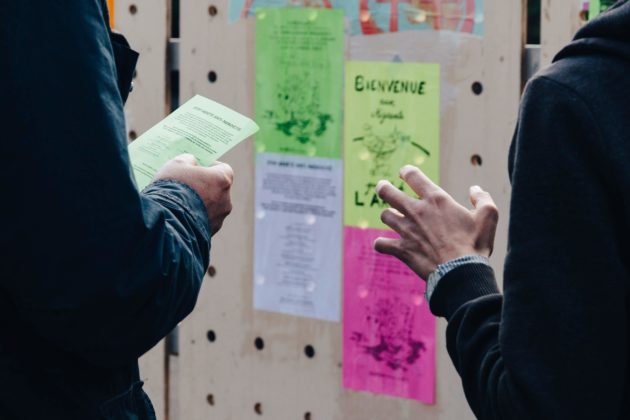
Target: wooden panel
145, 24
226, 378
560, 19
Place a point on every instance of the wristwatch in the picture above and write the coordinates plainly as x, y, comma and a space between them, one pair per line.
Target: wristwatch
444, 268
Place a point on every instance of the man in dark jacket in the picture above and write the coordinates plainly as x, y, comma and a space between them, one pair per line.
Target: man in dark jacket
93, 273
555, 344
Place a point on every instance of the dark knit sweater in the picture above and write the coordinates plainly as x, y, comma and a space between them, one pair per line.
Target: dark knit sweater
555, 344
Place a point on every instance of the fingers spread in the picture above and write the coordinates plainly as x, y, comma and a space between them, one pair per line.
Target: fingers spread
394, 219
418, 181
393, 196
475, 193
388, 246
483, 203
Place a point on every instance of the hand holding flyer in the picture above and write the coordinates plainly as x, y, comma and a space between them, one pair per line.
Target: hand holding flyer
201, 127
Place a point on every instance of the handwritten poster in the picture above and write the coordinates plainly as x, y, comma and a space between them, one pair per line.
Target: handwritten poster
392, 119
297, 261
299, 81
373, 17
388, 329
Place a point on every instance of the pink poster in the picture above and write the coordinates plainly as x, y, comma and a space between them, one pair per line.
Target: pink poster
388, 330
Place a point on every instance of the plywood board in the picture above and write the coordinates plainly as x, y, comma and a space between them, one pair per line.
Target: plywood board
560, 19
226, 376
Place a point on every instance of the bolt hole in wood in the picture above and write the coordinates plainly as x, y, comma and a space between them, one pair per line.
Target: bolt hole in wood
259, 343
212, 271
309, 351
258, 408
210, 399
212, 336
212, 77
133, 9
477, 88
133, 135
476, 160
212, 10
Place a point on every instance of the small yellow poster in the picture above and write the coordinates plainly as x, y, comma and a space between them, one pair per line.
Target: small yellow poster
392, 119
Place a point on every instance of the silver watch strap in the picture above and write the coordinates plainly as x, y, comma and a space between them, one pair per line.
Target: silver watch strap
443, 269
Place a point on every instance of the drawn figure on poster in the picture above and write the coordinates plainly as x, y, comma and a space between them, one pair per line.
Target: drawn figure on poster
390, 340
383, 146
298, 113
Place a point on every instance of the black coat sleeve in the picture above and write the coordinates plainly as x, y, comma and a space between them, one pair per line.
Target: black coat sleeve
97, 268
554, 345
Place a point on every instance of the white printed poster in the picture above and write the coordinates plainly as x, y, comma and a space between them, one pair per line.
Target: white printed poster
297, 256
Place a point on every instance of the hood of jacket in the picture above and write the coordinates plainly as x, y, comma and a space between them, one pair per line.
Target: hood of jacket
607, 34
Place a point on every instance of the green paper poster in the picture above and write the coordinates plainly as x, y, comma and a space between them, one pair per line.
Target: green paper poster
299, 81
392, 116
594, 8
599, 6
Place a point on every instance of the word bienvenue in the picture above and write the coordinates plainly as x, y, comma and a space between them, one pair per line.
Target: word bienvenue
362, 84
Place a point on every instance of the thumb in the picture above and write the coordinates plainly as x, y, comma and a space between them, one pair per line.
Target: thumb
483, 203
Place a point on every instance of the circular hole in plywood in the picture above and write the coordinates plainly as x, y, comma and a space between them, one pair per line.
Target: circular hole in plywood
309, 351
258, 408
259, 343
133, 9
210, 399
133, 135
477, 88
476, 160
212, 10
308, 416
212, 271
212, 76
212, 336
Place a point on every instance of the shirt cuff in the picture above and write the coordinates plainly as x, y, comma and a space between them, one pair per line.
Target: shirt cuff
445, 268
460, 286
184, 198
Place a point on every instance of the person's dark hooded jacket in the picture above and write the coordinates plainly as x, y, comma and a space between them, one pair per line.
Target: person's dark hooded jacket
556, 344
93, 273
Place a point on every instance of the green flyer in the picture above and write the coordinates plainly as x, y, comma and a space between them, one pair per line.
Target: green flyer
299, 81
392, 118
201, 127
599, 6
